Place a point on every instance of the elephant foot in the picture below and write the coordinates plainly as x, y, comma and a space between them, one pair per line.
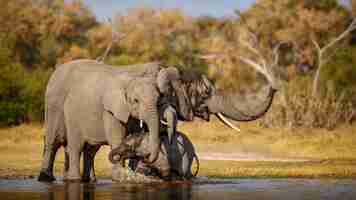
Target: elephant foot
65, 176
45, 177
88, 179
71, 178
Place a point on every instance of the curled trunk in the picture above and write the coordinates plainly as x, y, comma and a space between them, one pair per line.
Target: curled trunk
247, 107
113, 153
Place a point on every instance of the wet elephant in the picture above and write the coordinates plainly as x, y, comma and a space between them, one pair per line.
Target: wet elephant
180, 153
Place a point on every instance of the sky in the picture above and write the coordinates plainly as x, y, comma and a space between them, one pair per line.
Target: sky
108, 8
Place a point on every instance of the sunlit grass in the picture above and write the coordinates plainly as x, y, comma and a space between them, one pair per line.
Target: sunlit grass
303, 143
260, 169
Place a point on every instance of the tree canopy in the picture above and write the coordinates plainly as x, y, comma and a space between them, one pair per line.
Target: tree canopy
37, 35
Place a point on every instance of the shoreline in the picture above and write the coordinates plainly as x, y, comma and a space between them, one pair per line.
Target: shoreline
256, 153
222, 169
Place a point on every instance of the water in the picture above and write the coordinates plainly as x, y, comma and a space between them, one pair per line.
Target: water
219, 189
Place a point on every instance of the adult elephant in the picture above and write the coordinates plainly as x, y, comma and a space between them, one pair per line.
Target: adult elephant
91, 103
206, 100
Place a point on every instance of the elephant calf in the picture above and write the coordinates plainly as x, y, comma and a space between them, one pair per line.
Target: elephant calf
180, 152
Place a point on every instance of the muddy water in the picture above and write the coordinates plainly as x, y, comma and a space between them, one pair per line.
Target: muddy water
254, 189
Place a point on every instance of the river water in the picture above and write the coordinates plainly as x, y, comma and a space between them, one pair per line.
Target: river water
208, 189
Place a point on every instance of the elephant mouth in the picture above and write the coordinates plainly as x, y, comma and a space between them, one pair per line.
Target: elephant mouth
203, 113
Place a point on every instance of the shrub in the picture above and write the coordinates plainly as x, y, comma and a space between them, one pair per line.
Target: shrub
294, 107
33, 92
21, 94
12, 108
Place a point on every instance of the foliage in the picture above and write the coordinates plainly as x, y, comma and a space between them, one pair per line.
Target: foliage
12, 105
341, 71
37, 35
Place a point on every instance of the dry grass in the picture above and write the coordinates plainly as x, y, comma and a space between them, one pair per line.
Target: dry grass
260, 169
333, 153
21, 153
301, 143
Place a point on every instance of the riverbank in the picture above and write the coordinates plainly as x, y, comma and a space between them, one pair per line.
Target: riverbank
254, 152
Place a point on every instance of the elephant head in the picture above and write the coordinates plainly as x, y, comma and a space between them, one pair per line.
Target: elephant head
141, 97
206, 100
136, 146
170, 85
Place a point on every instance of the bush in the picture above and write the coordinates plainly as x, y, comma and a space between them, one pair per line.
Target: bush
295, 107
33, 92
12, 108
21, 94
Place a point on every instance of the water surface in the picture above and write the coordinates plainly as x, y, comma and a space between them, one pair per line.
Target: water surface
209, 189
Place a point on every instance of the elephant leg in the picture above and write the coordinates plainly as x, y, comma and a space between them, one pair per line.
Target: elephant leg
66, 163
74, 149
89, 153
54, 125
133, 164
115, 131
74, 163
92, 159
46, 174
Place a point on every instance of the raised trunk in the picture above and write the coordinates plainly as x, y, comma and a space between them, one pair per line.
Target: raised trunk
247, 107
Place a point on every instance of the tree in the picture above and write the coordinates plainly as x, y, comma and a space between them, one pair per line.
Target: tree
323, 54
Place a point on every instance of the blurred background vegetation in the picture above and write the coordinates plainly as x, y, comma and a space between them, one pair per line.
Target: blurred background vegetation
38, 35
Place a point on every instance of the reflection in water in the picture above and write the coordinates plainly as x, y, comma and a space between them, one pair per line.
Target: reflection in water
77, 191
182, 192
246, 189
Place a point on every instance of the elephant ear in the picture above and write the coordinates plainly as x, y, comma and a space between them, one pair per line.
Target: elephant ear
115, 102
165, 77
169, 78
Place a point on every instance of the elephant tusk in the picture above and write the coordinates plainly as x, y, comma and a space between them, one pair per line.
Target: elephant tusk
198, 165
164, 123
226, 121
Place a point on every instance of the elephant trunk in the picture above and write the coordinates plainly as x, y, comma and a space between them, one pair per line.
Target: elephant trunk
113, 153
237, 107
152, 120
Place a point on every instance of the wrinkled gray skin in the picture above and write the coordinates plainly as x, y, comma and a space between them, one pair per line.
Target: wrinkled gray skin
180, 153
88, 104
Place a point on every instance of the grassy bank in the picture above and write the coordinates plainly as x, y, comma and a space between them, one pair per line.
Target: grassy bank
329, 153
293, 143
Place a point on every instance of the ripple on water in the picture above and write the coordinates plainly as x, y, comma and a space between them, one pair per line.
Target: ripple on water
199, 189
